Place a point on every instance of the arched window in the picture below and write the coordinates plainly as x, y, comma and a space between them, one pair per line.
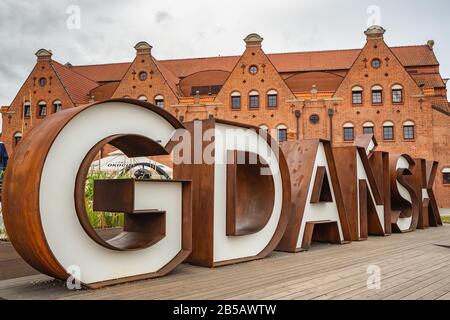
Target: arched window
126, 97
42, 109
253, 99
272, 99
57, 106
27, 109
357, 95
17, 137
236, 100
349, 131
368, 128
377, 95
446, 176
397, 94
282, 133
264, 127
408, 130
159, 101
143, 98
388, 131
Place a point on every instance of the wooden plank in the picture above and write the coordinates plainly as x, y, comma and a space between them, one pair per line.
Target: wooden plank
412, 267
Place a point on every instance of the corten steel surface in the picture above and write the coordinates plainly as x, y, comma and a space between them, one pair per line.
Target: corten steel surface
300, 156
434, 217
346, 163
202, 176
22, 218
320, 231
247, 214
364, 140
321, 190
420, 182
142, 228
379, 161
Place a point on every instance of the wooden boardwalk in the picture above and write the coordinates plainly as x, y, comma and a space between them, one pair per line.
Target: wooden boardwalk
413, 266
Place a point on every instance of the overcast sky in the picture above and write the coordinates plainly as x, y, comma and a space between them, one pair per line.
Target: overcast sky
106, 31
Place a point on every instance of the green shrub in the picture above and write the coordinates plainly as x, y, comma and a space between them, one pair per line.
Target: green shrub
101, 220
3, 235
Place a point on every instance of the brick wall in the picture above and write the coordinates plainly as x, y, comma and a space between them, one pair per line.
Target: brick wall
31, 91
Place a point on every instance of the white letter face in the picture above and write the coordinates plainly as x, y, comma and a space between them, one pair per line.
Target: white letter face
230, 138
321, 211
403, 223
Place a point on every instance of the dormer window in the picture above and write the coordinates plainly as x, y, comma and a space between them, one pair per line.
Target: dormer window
159, 101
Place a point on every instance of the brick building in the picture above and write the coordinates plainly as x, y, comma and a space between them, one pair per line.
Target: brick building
395, 92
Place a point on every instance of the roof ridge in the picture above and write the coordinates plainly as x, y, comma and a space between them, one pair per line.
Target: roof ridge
64, 85
98, 64
237, 56
201, 58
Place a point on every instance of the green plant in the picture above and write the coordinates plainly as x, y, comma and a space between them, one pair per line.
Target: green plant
3, 234
101, 220
446, 219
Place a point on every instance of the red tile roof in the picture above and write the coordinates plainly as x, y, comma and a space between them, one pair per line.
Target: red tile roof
429, 80
324, 81
409, 56
171, 79
77, 86
103, 72
185, 67
413, 56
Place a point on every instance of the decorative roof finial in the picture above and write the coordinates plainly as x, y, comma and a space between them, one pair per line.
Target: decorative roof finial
143, 47
253, 40
375, 32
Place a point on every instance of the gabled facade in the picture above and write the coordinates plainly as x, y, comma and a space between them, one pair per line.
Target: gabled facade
148, 80
396, 92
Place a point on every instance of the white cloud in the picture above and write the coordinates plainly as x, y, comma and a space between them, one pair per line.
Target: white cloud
178, 29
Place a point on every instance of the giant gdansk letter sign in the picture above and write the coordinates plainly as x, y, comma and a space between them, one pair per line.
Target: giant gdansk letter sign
235, 194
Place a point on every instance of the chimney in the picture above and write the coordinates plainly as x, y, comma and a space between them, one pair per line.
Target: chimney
375, 32
253, 40
314, 92
430, 44
44, 55
197, 97
143, 48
